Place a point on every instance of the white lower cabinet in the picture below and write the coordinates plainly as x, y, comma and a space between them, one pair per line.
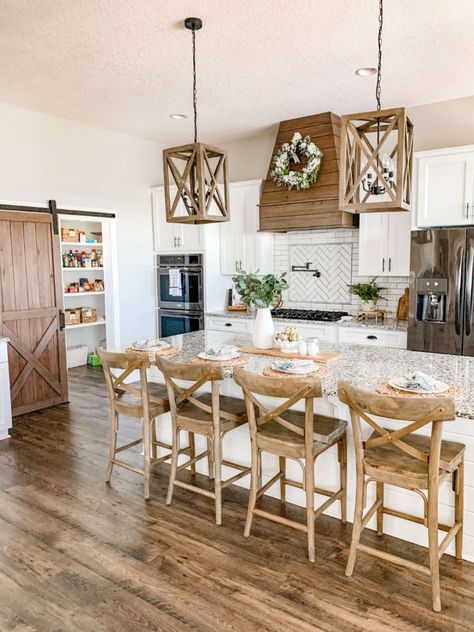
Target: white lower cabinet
373, 337
230, 325
5, 405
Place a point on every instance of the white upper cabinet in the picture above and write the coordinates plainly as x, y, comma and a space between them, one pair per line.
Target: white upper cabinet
242, 247
171, 237
384, 244
445, 187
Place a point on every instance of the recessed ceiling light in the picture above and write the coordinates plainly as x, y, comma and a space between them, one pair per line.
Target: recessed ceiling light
365, 72
178, 117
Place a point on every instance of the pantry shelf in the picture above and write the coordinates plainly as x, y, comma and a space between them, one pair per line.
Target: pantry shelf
100, 321
80, 269
76, 294
80, 243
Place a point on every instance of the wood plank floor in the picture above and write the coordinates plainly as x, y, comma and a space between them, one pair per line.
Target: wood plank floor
76, 554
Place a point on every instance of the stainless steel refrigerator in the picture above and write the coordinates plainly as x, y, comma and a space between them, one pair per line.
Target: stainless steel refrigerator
441, 291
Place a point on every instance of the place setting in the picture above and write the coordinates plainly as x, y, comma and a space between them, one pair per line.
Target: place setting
295, 368
153, 347
420, 384
227, 355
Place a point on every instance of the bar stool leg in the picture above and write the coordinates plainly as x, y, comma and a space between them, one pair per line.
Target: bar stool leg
379, 496
218, 474
253, 489
210, 460
282, 464
433, 545
153, 439
309, 488
459, 506
192, 451
342, 456
174, 462
146, 433
113, 446
356, 529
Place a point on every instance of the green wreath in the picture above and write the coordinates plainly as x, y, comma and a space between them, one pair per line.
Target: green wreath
290, 153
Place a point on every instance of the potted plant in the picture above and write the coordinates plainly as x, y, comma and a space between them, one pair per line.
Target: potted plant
260, 291
369, 293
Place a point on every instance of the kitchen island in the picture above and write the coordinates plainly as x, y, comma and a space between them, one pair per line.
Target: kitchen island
364, 366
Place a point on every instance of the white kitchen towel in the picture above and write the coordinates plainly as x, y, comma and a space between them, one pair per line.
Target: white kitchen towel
175, 282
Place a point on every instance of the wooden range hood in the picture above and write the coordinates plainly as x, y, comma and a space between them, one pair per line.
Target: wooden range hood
317, 207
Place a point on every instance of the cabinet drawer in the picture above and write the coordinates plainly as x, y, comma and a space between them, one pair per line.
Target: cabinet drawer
373, 337
239, 325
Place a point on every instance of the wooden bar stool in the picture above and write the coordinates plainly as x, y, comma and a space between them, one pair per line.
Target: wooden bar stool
301, 436
142, 400
207, 414
414, 462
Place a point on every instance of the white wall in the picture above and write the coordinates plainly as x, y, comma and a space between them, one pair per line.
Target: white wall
44, 157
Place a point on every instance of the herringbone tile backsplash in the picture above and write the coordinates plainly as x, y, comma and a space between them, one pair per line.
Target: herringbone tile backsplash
335, 253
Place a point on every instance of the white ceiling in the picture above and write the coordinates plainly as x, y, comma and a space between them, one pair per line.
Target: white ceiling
126, 64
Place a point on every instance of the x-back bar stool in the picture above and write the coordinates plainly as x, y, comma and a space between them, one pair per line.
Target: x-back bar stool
208, 414
142, 400
414, 462
301, 436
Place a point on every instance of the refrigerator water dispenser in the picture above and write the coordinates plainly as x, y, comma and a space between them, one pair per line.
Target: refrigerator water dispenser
431, 296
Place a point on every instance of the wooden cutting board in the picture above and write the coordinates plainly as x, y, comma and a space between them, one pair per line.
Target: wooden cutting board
326, 357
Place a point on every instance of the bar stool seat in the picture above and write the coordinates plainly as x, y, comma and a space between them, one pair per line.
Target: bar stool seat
276, 439
391, 460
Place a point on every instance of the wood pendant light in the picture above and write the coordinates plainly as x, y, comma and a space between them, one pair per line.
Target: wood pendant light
376, 154
196, 175
200, 175
360, 152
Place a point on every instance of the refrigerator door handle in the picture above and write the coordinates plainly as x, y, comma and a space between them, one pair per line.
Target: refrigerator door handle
457, 304
469, 295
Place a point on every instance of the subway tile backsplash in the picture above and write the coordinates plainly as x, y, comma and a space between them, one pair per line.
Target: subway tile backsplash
335, 253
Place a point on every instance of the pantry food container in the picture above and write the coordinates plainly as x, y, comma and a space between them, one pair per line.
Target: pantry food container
70, 234
76, 355
88, 314
72, 316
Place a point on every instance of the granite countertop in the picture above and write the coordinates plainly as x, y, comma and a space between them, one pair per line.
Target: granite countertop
389, 324
362, 365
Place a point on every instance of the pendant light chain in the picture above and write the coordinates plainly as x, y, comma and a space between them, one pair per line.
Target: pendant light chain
194, 85
378, 89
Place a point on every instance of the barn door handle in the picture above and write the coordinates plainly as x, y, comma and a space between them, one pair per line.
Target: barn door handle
62, 320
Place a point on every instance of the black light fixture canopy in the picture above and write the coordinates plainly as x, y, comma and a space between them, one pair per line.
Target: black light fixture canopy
198, 171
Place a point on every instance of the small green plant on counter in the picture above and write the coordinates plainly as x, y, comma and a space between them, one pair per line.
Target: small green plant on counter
257, 290
367, 291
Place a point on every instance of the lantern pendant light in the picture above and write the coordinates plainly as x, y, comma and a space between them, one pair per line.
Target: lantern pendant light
376, 155
195, 175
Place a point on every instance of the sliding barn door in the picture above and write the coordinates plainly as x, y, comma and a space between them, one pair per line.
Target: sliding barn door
31, 310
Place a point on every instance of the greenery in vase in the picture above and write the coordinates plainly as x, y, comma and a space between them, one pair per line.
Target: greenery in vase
257, 290
367, 291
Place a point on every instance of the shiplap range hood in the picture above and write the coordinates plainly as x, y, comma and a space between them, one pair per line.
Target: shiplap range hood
318, 206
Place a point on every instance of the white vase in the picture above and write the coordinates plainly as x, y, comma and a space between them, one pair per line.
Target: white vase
264, 329
370, 306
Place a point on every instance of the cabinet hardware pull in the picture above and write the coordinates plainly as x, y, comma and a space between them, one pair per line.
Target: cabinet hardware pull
372, 337
389, 264
228, 324
467, 210
240, 265
383, 265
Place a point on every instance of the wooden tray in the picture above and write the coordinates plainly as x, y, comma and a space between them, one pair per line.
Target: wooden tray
326, 357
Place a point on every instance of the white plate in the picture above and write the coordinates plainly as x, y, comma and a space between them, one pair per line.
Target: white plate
398, 383
230, 356
309, 367
157, 345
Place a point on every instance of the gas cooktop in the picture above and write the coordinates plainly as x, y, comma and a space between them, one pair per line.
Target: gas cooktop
308, 314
